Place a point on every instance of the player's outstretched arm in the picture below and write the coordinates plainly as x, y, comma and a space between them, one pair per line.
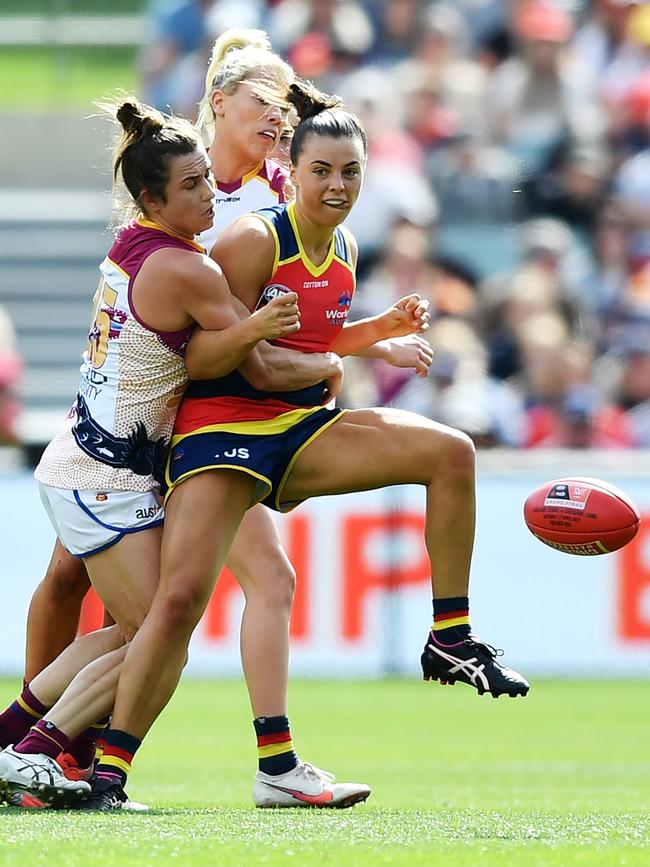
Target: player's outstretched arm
409, 315
411, 351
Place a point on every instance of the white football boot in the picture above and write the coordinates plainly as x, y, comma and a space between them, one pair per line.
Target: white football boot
33, 774
130, 806
305, 786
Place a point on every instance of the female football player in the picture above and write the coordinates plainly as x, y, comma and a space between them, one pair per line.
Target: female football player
234, 447
243, 114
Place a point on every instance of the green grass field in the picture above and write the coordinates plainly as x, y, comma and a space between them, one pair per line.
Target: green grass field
561, 778
56, 79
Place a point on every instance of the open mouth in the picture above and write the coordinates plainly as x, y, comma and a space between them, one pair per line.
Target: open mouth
337, 204
269, 135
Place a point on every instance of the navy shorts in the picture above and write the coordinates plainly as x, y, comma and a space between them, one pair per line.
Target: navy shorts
265, 450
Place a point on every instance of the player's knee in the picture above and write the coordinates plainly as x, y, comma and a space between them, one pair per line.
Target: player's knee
67, 578
459, 459
279, 588
181, 608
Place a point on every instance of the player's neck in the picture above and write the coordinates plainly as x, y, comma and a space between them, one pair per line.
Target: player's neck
229, 165
315, 238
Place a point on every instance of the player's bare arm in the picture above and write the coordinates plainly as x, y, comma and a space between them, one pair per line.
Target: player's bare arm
409, 315
194, 286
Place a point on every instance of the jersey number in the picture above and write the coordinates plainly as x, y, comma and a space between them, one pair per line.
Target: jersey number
98, 337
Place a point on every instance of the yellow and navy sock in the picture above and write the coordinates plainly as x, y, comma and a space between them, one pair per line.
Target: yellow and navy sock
274, 745
450, 620
84, 746
44, 738
116, 760
19, 717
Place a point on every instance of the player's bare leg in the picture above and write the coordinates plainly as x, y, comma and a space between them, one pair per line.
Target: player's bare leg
367, 449
192, 554
267, 579
126, 576
53, 616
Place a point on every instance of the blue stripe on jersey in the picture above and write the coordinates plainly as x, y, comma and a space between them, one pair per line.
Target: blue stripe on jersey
279, 219
234, 385
278, 216
340, 246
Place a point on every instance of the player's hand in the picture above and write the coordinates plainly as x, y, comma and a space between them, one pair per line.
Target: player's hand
411, 351
334, 383
279, 318
409, 315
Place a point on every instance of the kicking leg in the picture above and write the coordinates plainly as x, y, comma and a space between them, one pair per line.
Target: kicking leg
368, 449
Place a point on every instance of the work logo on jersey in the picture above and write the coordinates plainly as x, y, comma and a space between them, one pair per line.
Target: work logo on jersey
340, 313
273, 290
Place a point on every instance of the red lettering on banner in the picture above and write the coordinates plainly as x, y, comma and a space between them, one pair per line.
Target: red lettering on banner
360, 577
634, 587
298, 541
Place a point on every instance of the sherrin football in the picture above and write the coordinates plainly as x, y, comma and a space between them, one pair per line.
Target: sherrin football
581, 516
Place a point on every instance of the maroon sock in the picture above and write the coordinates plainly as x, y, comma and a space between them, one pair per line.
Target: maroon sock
45, 738
84, 746
19, 717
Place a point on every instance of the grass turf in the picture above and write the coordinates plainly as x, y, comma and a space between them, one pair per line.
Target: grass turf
558, 779
53, 79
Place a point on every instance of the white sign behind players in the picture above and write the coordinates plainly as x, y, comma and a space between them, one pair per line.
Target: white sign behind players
363, 605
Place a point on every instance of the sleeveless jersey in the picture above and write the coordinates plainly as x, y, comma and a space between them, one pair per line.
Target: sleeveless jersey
263, 187
132, 378
324, 296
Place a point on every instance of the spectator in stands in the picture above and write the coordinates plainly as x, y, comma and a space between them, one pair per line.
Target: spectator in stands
10, 374
172, 63
580, 420
633, 393
532, 105
603, 58
323, 39
395, 186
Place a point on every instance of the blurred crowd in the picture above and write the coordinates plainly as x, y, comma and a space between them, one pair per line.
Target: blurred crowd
508, 182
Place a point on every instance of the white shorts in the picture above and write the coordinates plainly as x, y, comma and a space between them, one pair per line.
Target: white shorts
88, 522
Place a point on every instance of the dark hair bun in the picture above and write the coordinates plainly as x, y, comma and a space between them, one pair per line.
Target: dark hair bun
136, 121
308, 101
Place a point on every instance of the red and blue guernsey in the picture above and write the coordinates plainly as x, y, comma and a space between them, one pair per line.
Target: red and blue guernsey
324, 295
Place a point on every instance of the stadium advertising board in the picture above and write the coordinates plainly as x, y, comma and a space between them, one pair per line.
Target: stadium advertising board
363, 605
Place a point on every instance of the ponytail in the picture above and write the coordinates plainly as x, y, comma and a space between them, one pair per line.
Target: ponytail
321, 114
149, 139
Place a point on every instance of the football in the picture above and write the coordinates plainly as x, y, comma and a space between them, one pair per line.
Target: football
581, 516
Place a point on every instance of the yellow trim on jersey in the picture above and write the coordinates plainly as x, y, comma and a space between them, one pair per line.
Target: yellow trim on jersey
299, 451
253, 173
274, 750
188, 475
28, 709
276, 240
121, 270
149, 224
314, 270
277, 425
